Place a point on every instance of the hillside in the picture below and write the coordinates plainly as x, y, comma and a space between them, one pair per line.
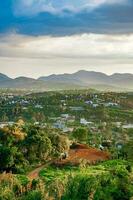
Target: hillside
3, 78
91, 78
79, 80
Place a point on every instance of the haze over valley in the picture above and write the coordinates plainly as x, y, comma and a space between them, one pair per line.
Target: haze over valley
79, 80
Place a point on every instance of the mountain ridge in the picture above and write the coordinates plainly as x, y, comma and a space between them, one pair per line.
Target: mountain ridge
79, 79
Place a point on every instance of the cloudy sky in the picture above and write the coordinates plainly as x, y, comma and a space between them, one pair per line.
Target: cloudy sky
41, 37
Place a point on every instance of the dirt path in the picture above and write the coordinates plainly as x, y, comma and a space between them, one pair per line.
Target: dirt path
35, 173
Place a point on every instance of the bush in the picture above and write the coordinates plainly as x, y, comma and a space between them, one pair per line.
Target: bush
80, 187
33, 195
6, 194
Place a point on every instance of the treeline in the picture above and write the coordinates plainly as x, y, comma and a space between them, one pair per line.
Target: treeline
22, 146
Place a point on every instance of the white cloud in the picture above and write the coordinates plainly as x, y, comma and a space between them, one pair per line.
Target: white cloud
42, 55
34, 56
32, 7
75, 46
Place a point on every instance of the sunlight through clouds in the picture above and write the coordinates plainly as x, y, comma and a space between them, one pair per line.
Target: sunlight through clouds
107, 53
75, 46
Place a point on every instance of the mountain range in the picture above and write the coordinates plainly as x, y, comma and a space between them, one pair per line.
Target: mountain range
79, 80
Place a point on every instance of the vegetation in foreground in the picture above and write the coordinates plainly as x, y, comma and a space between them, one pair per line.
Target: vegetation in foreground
109, 180
26, 145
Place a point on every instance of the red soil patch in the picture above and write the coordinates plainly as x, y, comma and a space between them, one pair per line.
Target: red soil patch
83, 152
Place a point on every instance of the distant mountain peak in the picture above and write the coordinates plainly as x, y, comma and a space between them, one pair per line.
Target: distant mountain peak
4, 77
23, 78
80, 79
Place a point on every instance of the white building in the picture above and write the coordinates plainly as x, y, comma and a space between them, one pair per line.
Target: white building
38, 106
66, 116
85, 122
59, 125
110, 104
127, 126
4, 124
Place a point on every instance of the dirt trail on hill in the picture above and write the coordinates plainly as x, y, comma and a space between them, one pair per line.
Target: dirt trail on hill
35, 173
80, 152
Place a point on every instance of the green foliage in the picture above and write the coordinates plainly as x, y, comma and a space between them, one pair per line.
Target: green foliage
6, 194
109, 180
19, 187
10, 156
80, 187
80, 134
23, 146
60, 143
23, 179
127, 150
115, 186
33, 195
37, 146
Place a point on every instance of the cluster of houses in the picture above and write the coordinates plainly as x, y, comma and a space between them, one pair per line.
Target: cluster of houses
100, 102
62, 121
4, 124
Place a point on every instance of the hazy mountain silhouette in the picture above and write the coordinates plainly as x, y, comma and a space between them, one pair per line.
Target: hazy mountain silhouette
80, 79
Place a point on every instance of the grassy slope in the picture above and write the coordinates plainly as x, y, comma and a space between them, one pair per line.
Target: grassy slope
51, 173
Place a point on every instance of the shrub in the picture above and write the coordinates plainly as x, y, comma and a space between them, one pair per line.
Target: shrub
33, 195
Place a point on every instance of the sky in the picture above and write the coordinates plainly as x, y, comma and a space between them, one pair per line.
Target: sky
42, 37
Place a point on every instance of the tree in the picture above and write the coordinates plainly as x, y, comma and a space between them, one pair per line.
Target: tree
80, 134
10, 154
127, 150
60, 143
37, 145
80, 187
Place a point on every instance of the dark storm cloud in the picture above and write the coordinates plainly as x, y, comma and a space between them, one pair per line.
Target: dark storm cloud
107, 18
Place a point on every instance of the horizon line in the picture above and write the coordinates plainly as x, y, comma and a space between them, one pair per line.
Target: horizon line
54, 74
